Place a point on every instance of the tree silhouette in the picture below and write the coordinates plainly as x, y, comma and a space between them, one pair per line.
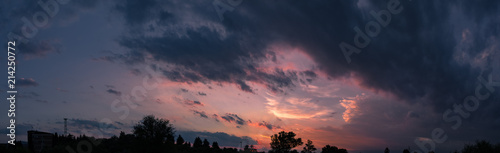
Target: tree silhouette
154, 129
283, 142
197, 143
136, 142
332, 149
215, 145
406, 151
180, 140
206, 144
481, 147
187, 144
154, 134
309, 148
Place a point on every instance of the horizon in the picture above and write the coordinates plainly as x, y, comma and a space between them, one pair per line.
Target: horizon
238, 147
361, 75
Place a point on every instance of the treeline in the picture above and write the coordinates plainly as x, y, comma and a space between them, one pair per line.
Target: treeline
478, 147
132, 143
150, 135
153, 135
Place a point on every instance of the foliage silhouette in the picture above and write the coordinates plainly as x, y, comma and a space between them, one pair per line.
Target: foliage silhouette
332, 149
215, 145
154, 135
406, 151
481, 147
206, 144
283, 142
197, 143
180, 140
150, 135
155, 129
309, 148
249, 149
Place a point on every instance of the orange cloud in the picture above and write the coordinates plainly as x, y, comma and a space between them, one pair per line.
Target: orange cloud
350, 104
295, 108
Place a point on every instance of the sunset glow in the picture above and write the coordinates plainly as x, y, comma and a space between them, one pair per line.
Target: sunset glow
361, 75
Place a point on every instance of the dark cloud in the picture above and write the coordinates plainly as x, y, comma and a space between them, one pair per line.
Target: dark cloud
71, 10
23, 82
114, 92
201, 114
89, 124
131, 58
215, 117
119, 123
39, 49
407, 68
244, 86
184, 90
193, 103
310, 74
412, 58
138, 12
269, 126
229, 117
31, 48
221, 54
21, 129
28, 48
222, 138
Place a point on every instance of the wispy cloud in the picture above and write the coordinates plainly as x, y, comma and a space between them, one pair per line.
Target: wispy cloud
202, 114
26, 82
193, 103
233, 118
114, 92
295, 108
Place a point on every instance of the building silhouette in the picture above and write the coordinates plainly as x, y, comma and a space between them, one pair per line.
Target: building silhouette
37, 141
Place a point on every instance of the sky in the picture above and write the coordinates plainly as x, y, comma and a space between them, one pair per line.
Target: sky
362, 75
